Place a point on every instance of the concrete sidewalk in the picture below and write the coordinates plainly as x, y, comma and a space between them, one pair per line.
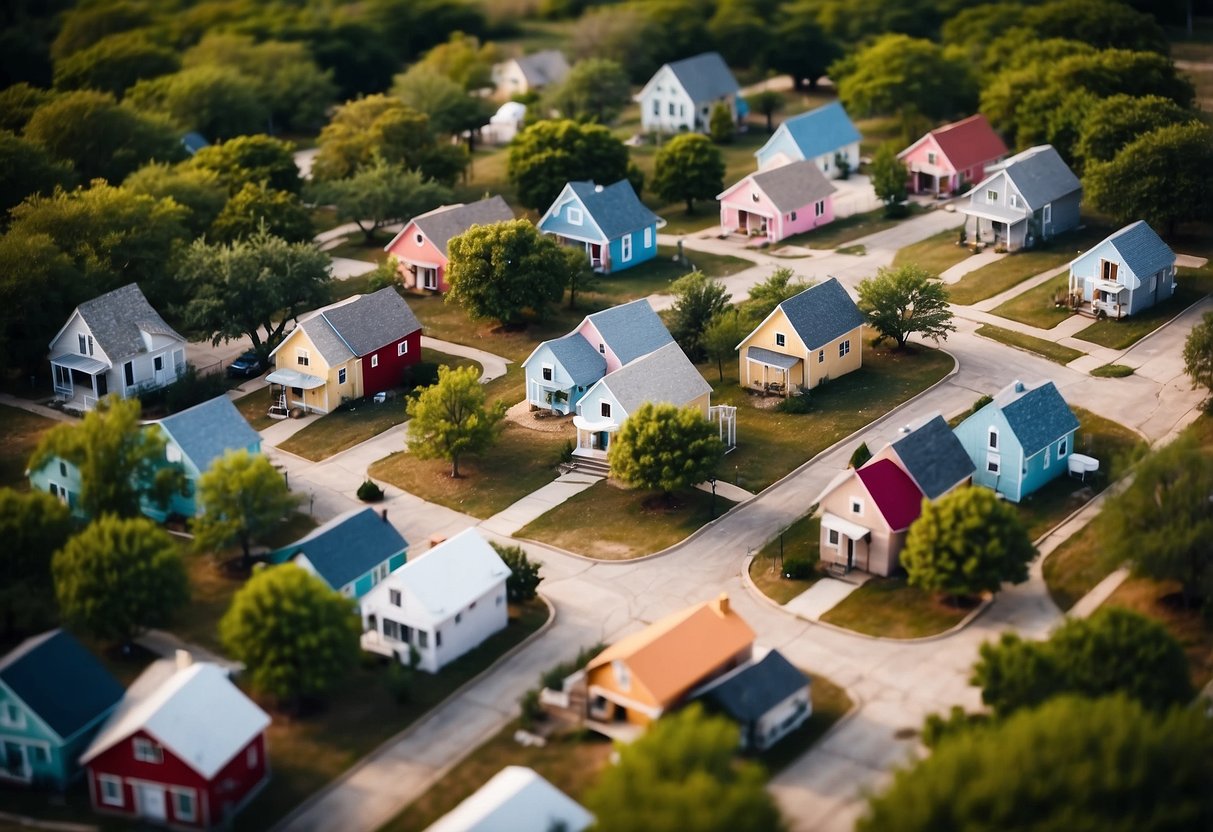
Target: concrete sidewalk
9, 400
493, 366
538, 503
1099, 593
820, 598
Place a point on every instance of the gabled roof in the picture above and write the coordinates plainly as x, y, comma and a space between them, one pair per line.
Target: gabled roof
207, 431
674, 654
1038, 415
967, 142
820, 131
441, 224
546, 67
1142, 250
750, 693
348, 546
59, 681
631, 329
516, 798
1040, 176
664, 375
195, 712
705, 77
822, 313
372, 321
896, 496
581, 361
933, 456
793, 186
615, 208
118, 318
450, 576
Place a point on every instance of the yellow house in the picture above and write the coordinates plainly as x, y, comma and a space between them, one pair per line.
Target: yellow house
807, 339
641, 676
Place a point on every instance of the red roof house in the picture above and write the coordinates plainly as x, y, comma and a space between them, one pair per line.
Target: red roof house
184, 748
420, 247
948, 157
865, 514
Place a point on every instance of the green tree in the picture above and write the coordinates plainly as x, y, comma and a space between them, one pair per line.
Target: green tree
618, 33
34, 525
380, 193
967, 542
765, 296
117, 459
18, 104
899, 302
721, 337
595, 89
217, 101
1198, 353
896, 73
256, 208
683, 775
1119, 119
447, 104
859, 456
199, 190
115, 63
241, 498
252, 287
1151, 178
500, 270
34, 274
698, 299
889, 180
464, 60
1105, 24
83, 26
253, 160
739, 28
27, 169
679, 27
1062, 766
800, 47
720, 124
665, 448
118, 577
297, 638
688, 167
767, 102
451, 420
548, 154
523, 582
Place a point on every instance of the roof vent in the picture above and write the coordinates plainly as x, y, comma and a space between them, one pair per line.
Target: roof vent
1018, 386
597, 189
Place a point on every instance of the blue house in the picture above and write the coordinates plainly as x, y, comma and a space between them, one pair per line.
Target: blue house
54, 697
610, 222
825, 135
351, 553
1021, 440
1127, 272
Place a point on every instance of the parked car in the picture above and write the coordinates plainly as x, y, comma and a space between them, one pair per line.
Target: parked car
248, 365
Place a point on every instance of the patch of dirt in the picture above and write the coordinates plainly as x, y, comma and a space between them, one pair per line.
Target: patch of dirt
540, 420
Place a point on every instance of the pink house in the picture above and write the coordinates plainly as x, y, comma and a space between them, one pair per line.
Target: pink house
420, 247
778, 202
948, 157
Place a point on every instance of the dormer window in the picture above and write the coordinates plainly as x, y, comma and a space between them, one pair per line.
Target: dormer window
992, 197
575, 217
302, 357
147, 751
857, 506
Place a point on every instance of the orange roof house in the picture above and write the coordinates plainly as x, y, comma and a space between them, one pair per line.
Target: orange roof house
643, 675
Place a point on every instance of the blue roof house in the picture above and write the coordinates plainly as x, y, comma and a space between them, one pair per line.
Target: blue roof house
610, 222
767, 699
1021, 440
560, 371
825, 135
54, 697
1129, 271
351, 553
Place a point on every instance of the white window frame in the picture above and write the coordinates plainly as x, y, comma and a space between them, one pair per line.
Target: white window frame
342, 375
1046, 214
648, 237
191, 795
146, 751
419, 238
931, 157
402, 348
575, 216
781, 340
90, 345
625, 248
375, 360
993, 439
604, 409
302, 357
844, 348
547, 372
81, 343
991, 196
833, 538
821, 356
104, 783
819, 208
857, 506
395, 597
12, 707
993, 464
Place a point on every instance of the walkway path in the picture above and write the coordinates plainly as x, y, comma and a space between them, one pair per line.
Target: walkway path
9, 400
492, 366
538, 503
969, 264
820, 598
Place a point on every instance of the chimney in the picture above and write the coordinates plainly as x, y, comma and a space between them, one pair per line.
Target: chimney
384, 513
1018, 386
184, 659
722, 604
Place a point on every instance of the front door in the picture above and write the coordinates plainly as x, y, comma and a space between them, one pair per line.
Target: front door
850, 554
151, 801
603, 439
14, 761
103, 385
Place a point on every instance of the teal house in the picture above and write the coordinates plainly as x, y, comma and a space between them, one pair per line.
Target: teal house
1021, 440
54, 697
610, 222
351, 553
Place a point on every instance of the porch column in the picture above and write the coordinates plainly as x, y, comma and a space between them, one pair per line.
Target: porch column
93, 378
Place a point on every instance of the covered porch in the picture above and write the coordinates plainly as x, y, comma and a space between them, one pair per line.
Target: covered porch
596, 252
771, 372
844, 544
593, 436
994, 227
1099, 298
79, 380
293, 391
420, 274
550, 397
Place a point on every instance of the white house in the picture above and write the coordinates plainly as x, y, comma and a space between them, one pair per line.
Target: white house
516, 798
681, 95
116, 343
442, 604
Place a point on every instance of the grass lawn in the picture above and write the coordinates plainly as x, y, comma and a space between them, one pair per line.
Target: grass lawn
887, 607
1013, 269
21, 431
1076, 566
738, 162
1112, 371
936, 254
1037, 307
1124, 333
628, 523
1161, 601
255, 407
847, 229
1054, 352
307, 752
655, 276
521, 461
356, 247
801, 540
830, 704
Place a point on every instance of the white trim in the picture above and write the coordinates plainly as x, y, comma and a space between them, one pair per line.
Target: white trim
575, 216
993, 459
144, 743
177, 792
374, 360
112, 780
402, 348
648, 236
625, 248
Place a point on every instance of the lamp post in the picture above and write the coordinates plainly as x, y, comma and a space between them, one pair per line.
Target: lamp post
712, 480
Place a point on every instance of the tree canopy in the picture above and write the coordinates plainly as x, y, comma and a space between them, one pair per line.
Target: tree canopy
240, 498
450, 419
447, 105
34, 525
523, 582
596, 90
34, 274
665, 448
1198, 353
722, 335
260, 209
898, 73
217, 101
27, 169
904, 301
197, 189
115, 63
548, 154
1117, 120
889, 177
256, 159
781, 285
381, 192
688, 167
698, 299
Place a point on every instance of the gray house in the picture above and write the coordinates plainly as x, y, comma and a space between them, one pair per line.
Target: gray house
1125, 273
680, 96
1031, 197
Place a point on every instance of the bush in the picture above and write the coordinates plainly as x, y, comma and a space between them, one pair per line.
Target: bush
189, 389
798, 569
981, 402
566, 453
795, 404
532, 711
421, 374
860, 456
370, 492
523, 582
939, 727
399, 681
897, 210
553, 677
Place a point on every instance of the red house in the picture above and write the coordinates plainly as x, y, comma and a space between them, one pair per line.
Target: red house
948, 157
420, 247
184, 748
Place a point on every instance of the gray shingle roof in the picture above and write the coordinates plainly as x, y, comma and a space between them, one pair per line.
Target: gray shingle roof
60, 681
749, 694
1041, 176
581, 361
615, 208
117, 318
1038, 415
207, 431
664, 375
1142, 249
373, 321
546, 67
441, 224
326, 339
631, 329
822, 313
792, 187
933, 456
705, 77
348, 546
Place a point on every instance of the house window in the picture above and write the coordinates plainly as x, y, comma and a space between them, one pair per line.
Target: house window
605, 410
341, 376
393, 597
1046, 215
753, 197
90, 345
391, 629
38, 754
402, 348
992, 442
622, 675
1107, 270
1061, 448
856, 506
158, 363
374, 361
993, 463
183, 804
250, 759
656, 107
128, 373
83, 345
423, 639
1048, 452
429, 278
671, 108
13, 717
602, 348
147, 751
821, 356
780, 339
832, 537
419, 238
1013, 200
844, 348
297, 392
63, 469
302, 357
819, 208
111, 789
992, 196
792, 217
648, 238
458, 618
437, 638
930, 157
575, 217
626, 245
547, 372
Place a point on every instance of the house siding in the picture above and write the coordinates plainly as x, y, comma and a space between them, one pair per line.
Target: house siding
170, 350
49, 761
879, 554
809, 372
557, 221
973, 434
1037, 474
779, 225
665, 89
406, 249
537, 389
781, 148
390, 372
640, 252
1065, 213
769, 728
318, 399
1143, 291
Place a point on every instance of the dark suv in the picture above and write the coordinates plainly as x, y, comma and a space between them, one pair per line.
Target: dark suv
248, 365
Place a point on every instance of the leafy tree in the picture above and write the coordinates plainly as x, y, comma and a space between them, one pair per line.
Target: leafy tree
739, 28
450, 419
380, 193
241, 497
895, 73
115, 63
501, 270
547, 154
447, 105
698, 299
765, 296
1151, 178
967, 542
860, 456
800, 47
686, 168
899, 302
83, 26
767, 102
683, 774
1105, 24
464, 60
889, 179
252, 287
18, 103
679, 27
1119, 119
253, 160
596, 89
1198, 353
34, 273
721, 337
1114, 651
297, 638
118, 577
199, 190
217, 101
618, 33
720, 124
117, 459
1061, 766
34, 525
665, 448
523, 583
258, 207
27, 169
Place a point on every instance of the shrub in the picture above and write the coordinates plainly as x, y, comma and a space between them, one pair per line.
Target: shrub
523, 581
860, 456
532, 711
566, 453
189, 389
795, 404
553, 677
421, 374
399, 681
370, 492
